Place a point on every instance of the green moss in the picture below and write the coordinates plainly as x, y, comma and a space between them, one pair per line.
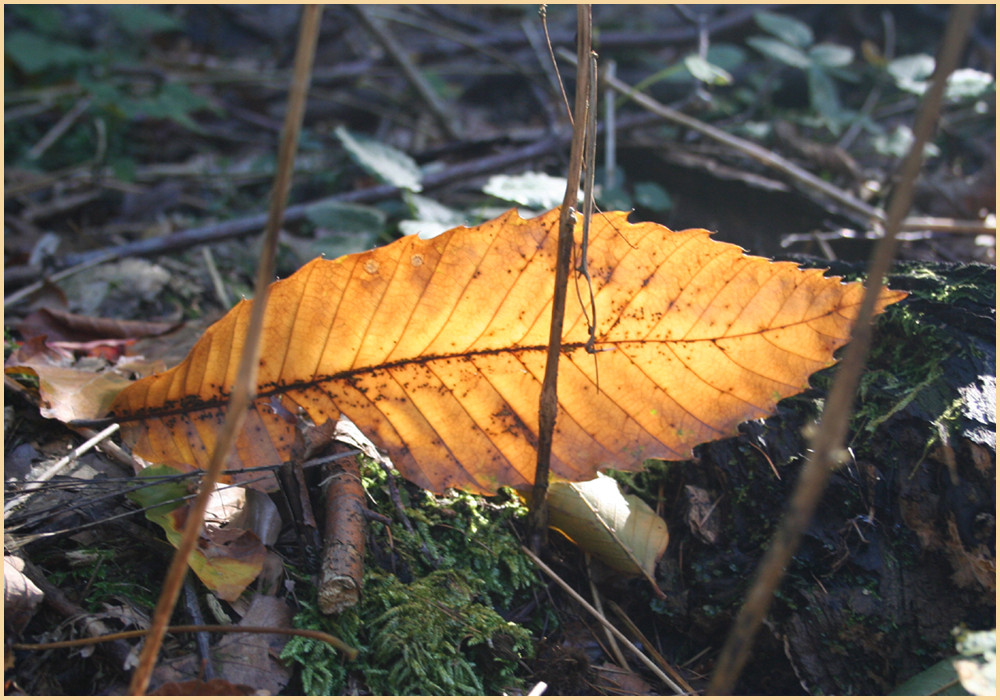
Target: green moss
438, 631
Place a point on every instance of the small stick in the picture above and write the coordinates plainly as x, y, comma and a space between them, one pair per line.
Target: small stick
612, 642
344, 539
201, 638
543, 13
93, 261
604, 621
246, 379
538, 689
748, 148
826, 448
657, 657
610, 140
213, 272
239, 227
60, 128
28, 491
350, 652
437, 107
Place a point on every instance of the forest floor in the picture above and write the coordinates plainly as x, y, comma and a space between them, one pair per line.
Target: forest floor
140, 149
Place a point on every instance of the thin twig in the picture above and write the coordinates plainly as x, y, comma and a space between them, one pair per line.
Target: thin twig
60, 128
57, 467
610, 134
623, 39
108, 447
437, 107
548, 405
95, 260
604, 621
245, 387
864, 114
213, 273
202, 639
945, 225
748, 148
543, 13
826, 448
650, 648
472, 42
350, 652
612, 642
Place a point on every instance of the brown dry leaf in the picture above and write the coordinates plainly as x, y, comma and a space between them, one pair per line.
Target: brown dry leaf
216, 686
20, 594
227, 559
68, 394
64, 326
703, 517
615, 680
436, 348
255, 659
619, 530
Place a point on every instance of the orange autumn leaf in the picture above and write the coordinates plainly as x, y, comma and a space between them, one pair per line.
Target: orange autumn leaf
436, 349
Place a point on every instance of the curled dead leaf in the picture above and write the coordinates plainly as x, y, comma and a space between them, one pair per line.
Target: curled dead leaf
619, 529
226, 559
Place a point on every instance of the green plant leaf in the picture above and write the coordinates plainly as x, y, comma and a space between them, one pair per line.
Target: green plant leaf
614, 199
383, 161
823, 92
896, 143
790, 30
160, 497
343, 228
344, 217
430, 217
780, 51
968, 84
939, 679
910, 73
729, 57
706, 72
142, 20
34, 53
652, 196
831, 55
530, 189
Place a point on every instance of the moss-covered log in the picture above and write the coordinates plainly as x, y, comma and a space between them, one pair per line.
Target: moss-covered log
902, 550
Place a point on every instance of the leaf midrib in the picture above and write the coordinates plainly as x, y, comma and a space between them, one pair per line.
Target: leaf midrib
191, 404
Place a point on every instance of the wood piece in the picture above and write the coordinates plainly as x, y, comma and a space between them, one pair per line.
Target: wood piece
344, 542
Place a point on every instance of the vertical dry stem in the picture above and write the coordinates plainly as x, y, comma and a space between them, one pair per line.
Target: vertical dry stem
548, 403
245, 387
827, 447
